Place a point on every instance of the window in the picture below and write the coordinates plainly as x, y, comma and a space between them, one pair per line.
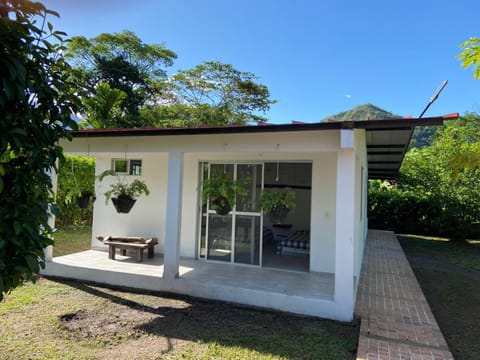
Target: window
127, 167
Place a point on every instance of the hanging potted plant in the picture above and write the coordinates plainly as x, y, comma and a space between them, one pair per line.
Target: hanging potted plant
278, 203
222, 192
85, 198
124, 194
77, 175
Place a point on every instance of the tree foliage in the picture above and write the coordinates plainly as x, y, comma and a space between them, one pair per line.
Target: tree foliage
219, 94
36, 104
427, 198
470, 56
124, 62
103, 109
212, 93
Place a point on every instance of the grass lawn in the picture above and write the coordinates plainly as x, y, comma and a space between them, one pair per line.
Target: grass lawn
55, 319
72, 239
449, 274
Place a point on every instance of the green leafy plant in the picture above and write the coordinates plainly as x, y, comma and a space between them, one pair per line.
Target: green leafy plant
123, 189
37, 99
76, 181
274, 198
222, 192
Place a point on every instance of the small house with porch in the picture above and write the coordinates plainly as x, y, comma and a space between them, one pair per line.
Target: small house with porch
308, 263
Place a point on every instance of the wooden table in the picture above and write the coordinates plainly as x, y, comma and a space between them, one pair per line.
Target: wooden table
125, 243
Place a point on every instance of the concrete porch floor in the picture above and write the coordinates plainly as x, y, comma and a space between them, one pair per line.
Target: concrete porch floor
295, 292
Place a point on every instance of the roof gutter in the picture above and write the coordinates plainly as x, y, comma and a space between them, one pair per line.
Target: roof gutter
206, 130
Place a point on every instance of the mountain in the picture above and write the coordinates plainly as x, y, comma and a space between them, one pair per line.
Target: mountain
421, 135
362, 112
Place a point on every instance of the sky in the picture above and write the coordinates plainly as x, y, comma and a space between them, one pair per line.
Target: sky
316, 57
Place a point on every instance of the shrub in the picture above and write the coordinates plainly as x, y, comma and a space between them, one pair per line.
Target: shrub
414, 211
76, 175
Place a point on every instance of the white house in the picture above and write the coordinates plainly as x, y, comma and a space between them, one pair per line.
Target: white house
237, 257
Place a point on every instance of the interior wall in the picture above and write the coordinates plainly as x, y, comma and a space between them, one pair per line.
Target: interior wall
297, 176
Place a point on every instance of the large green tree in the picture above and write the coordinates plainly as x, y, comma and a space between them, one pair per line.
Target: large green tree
219, 94
125, 63
36, 105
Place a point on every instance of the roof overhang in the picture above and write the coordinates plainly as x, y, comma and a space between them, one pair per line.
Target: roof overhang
387, 140
387, 145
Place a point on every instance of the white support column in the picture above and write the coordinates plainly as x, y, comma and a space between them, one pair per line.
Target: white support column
174, 215
48, 251
345, 227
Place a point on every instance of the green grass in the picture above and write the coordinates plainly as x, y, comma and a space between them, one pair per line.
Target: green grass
449, 274
56, 319
464, 254
72, 320
72, 239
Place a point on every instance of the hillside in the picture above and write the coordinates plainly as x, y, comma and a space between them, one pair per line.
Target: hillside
362, 112
421, 136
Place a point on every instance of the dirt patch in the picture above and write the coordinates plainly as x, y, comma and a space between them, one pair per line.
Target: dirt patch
106, 327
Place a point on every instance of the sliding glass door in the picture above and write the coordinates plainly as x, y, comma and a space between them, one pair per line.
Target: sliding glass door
236, 236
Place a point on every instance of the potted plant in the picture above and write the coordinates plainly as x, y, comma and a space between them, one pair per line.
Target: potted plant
85, 198
222, 192
124, 194
278, 203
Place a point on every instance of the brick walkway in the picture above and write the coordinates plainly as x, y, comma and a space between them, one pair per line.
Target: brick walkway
396, 320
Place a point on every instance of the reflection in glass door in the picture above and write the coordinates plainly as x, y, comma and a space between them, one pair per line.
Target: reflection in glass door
237, 236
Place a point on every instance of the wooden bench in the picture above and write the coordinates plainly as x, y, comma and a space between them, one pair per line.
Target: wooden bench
125, 243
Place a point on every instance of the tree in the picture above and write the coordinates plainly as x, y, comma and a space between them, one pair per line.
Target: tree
429, 171
36, 105
220, 94
125, 63
103, 109
471, 55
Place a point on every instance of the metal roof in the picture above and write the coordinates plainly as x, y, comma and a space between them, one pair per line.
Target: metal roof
387, 139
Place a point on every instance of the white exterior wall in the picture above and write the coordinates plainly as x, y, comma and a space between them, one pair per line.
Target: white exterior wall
361, 200
351, 217
337, 231
147, 217
323, 216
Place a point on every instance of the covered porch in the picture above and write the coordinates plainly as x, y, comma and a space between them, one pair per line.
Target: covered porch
290, 291
172, 163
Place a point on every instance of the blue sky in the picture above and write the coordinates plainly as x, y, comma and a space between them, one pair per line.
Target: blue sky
316, 57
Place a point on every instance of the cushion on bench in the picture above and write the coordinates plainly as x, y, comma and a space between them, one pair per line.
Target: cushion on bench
300, 240
128, 239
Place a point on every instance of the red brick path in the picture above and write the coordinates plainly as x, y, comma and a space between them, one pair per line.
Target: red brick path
396, 320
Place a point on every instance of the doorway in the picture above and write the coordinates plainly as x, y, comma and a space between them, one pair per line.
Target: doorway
235, 237
247, 236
